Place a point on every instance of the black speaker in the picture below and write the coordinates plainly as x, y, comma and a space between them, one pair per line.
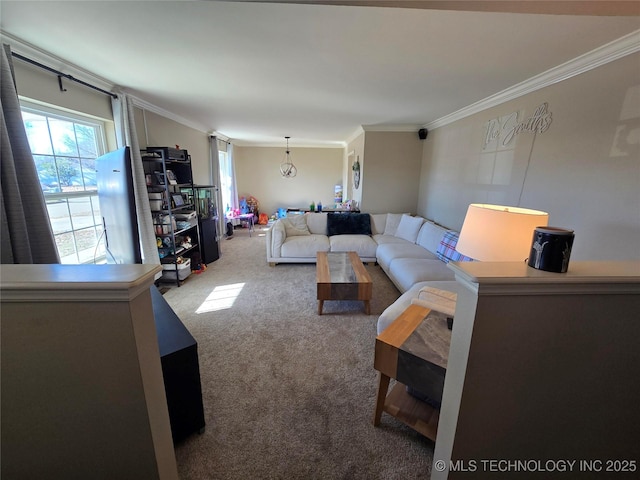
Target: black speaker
422, 133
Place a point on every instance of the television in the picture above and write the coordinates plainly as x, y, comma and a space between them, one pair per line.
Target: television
117, 206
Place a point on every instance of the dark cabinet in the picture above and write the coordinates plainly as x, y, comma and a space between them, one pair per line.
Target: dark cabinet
180, 370
209, 240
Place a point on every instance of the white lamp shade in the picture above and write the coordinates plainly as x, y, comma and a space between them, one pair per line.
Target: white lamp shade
497, 233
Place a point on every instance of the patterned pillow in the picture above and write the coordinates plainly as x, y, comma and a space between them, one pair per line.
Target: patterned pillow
447, 249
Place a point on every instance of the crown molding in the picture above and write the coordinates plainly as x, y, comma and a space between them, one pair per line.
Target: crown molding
609, 52
612, 51
392, 128
359, 131
149, 107
219, 136
242, 143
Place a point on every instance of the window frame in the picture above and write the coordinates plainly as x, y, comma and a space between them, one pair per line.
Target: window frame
99, 127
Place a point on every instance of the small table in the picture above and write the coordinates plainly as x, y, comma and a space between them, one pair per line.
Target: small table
342, 276
414, 350
247, 217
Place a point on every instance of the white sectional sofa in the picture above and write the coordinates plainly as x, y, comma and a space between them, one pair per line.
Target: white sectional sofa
411, 250
414, 260
298, 238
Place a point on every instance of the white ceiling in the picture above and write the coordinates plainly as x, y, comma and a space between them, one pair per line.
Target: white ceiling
257, 72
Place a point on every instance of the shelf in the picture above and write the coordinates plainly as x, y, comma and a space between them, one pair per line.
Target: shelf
186, 250
189, 206
176, 232
158, 161
412, 412
179, 251
154, 158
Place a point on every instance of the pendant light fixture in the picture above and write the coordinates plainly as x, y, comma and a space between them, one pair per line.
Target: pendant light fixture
287, 168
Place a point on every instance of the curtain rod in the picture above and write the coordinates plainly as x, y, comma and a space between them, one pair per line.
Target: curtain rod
60, 75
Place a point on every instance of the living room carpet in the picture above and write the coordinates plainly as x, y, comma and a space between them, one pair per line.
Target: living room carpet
288, 394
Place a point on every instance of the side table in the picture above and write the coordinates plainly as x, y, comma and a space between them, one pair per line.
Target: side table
414, 351
244, 217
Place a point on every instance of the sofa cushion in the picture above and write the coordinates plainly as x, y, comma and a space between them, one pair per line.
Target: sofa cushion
388, 252
304, 246
430, 235
447, 249
317, 222
363, 245
393, 220
348, 224
383, 239
406, 272
409, 227
378, 222
296, 225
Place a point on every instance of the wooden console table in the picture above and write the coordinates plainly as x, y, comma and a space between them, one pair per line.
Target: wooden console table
413, 350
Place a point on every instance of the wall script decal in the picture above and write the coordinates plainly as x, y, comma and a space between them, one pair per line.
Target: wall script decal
503, 130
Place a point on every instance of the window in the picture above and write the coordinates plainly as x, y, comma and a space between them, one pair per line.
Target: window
226, 181
65, 147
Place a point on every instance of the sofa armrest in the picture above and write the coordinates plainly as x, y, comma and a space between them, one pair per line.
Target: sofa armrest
274, 239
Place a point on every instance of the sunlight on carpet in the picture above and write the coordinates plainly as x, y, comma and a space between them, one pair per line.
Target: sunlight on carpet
221, 298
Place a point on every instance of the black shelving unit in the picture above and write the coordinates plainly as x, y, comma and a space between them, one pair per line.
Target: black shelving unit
169, 181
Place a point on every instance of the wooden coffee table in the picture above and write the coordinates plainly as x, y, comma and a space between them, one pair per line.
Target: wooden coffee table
342, 276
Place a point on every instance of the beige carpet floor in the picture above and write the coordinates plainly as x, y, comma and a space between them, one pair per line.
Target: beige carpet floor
287, 394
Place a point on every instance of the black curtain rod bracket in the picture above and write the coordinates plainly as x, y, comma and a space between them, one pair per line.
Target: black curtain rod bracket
61, 75
62, 89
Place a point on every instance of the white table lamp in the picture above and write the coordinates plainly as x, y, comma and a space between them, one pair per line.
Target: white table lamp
497, 233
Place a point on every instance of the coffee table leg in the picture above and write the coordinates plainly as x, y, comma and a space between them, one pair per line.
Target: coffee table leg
367, 307
320, 304
383, 387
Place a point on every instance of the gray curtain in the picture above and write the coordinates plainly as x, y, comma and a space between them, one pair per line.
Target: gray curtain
234, 185
215, 181
123, 116
26, 235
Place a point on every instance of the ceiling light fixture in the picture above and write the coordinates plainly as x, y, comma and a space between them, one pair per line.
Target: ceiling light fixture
287, 168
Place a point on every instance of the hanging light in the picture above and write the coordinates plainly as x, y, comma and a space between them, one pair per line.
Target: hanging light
287, 168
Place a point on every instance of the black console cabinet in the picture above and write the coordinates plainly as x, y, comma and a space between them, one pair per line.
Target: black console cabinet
180, 369
208, 240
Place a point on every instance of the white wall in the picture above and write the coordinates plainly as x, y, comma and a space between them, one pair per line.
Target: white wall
584, 170
157, 131
258, 174
36, 84
390, 172
355, 151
